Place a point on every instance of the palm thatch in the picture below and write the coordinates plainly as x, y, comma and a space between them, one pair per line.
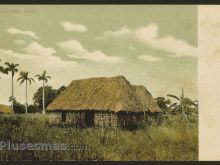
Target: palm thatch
104, 94
4, 109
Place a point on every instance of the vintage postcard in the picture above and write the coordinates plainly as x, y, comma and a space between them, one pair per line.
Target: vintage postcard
102, 82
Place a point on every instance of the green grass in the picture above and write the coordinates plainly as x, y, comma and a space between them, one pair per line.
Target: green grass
175, 141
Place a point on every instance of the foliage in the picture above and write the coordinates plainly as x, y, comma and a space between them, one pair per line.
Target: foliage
33, 109
184, 108
163, 102
184, 105
18, 107
50, 95
24, 77
11, 67
3, 70
43, 77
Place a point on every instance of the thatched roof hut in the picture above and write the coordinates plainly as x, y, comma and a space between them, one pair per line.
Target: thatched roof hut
4, 109
113, 94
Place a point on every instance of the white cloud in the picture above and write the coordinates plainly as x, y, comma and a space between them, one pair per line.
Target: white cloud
31, 34
123, 31
76, 50
149, 58
68, 26
73, 46
19, 42
149, 35
46, 55
11, 53
38, 55
37, 49
99, 56
146, 33
132, 48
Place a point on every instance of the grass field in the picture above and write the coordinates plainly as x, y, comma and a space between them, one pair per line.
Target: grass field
176, 141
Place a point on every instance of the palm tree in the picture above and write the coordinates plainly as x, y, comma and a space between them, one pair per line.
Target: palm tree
183, 103
25, 78
11, 67
3, 70
43, 78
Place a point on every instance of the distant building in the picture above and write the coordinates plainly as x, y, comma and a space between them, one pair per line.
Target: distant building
104, 102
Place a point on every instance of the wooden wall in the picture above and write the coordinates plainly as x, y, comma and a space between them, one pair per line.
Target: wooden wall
103, 119
55, 118
76, 118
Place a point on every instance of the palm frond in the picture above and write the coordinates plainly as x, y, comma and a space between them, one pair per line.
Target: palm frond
30, 80
22, 81
43, 76
172, 105
7, 64
182, 90
44, 73
189, 102
173, 96
39, 77
20, 78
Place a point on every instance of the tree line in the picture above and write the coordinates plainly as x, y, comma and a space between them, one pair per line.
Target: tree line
24, 78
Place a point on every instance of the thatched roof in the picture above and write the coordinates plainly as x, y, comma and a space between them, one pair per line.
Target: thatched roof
5, 109
104, 94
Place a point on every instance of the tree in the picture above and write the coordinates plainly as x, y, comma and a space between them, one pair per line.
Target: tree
34, 109
61, 89
3, 70
24, 77
50, 95
183, 103
18, 107
44, 79
11, 67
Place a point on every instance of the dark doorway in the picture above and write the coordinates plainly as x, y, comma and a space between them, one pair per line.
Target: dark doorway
89, 119
63, 116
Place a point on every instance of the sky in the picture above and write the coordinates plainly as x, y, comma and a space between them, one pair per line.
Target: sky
151, 45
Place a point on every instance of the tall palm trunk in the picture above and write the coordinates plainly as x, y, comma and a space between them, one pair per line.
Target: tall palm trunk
12, 87
43, 100
26, 104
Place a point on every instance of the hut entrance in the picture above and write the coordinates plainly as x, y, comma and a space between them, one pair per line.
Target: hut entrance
89, 119
63, 116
